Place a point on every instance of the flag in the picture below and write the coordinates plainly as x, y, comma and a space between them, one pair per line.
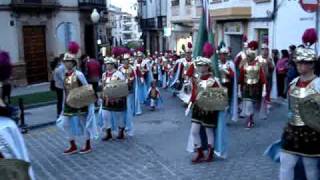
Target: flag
205, 34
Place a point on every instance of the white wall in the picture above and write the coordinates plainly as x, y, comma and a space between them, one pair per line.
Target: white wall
260, 9
62, 17
289, 27
9, 36
231, 3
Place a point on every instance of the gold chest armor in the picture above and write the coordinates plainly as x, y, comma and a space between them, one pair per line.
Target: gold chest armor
127, 72
264, 64
223, 73
186, 65
154, 69
297, 95
251, 73
71, 82
107, 80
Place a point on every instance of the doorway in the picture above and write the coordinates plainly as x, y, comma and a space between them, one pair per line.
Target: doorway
235, 44
35, 55
89, 40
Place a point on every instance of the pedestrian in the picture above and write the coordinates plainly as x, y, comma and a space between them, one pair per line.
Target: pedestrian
93, 73
83, 64
275, 55
252, 85
5, 73
282, 69
58, 78
114, 105
201, 116
292, 68
76, 121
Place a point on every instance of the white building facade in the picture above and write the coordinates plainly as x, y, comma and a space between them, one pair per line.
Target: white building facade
281, 23
183, 22
152, 16
130, 29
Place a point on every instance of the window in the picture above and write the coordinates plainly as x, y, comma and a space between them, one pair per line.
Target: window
188, 2
175, 2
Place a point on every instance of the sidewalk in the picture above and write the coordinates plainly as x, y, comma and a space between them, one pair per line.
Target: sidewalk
43, 87
41, 116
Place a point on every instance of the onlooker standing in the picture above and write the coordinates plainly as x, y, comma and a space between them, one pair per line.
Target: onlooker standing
93, 73
83, 64
282, 69
292, 68
275, 55
58, 77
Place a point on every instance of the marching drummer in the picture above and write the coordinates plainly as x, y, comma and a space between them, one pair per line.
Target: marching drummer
76, 121
114, 108
202, 82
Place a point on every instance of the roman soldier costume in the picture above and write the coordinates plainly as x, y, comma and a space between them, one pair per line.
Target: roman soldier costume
252, 84
133, 103
77, 117
180, 72
115, 91
208, 99
241, 57
144, 75
229, 80
268, 68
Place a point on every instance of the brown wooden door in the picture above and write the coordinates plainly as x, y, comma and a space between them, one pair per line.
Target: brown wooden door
35, 54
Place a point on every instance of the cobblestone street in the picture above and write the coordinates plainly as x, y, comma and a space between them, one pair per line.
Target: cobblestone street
157, 151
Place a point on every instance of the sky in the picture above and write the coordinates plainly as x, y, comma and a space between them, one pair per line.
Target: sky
125, 5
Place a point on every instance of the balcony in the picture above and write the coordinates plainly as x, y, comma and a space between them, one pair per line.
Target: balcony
88, 5
31, 5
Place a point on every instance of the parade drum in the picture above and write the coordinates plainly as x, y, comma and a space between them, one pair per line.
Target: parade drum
309, 110
116, 89
81, 97
212, 99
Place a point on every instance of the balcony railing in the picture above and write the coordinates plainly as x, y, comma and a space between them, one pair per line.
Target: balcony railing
91, 4
34, 4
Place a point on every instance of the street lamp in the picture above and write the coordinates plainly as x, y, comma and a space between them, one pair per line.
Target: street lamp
95, 17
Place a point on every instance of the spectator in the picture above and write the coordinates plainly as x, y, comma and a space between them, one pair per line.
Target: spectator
83, 61
275, 55
282, 69
292, 69
93, 73
58, 77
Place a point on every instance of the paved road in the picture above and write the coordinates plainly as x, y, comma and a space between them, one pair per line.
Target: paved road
157, 151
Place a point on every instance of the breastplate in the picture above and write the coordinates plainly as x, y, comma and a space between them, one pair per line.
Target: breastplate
224, 75
127, 72
264, 64
252, 74
297, 95
155, 69
186, 65
71, 82
109, 78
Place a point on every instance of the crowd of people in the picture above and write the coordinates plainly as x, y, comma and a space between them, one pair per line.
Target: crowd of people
98, 99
